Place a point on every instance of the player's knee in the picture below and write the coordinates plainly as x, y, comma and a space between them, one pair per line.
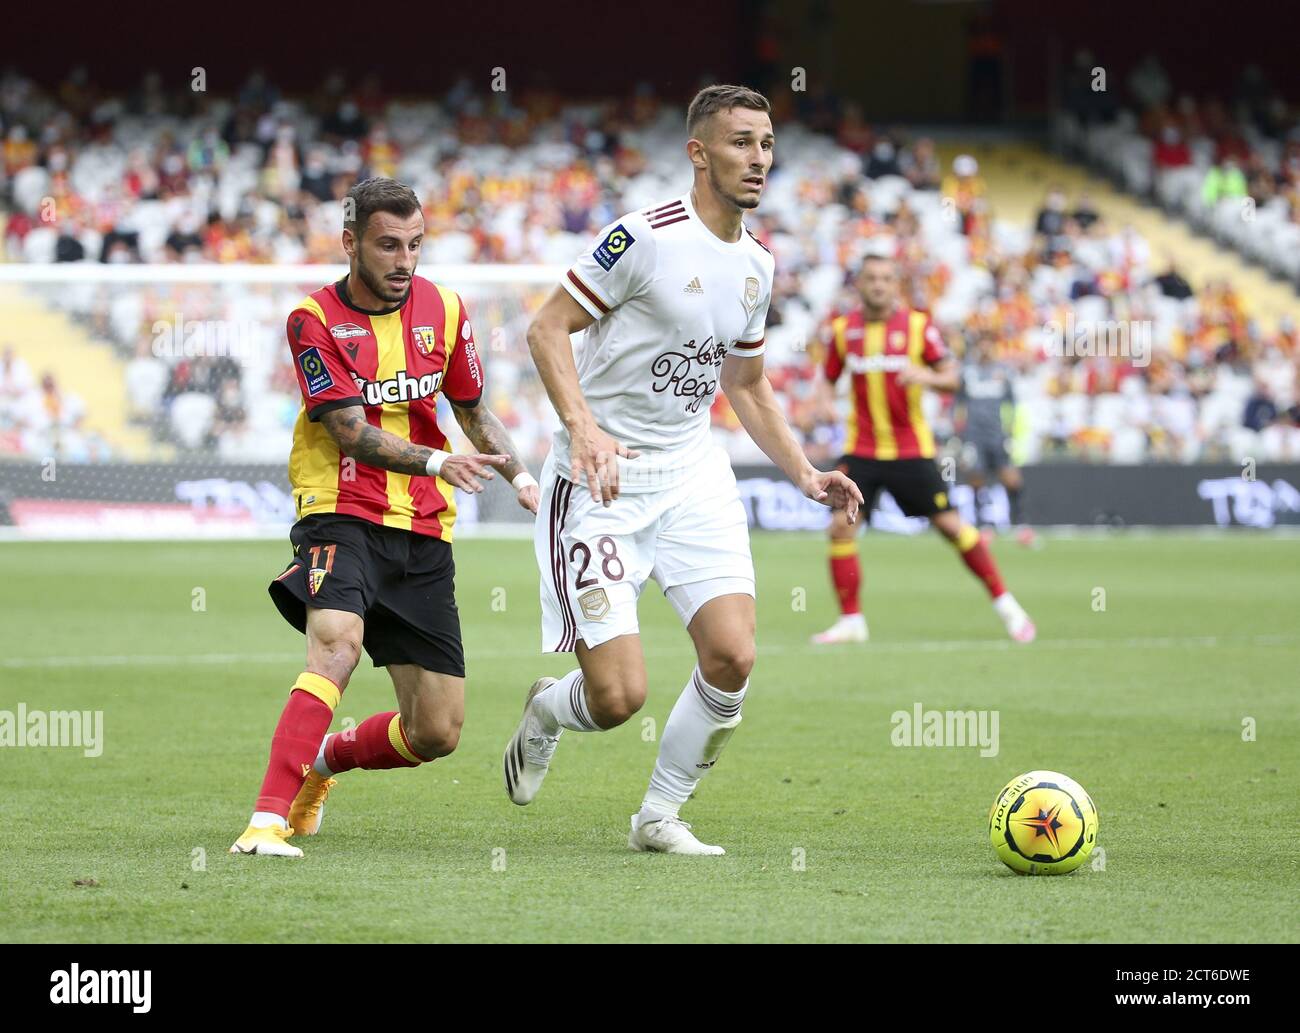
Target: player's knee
841, 529
950, 529
728, 667
433, 737
617, 701
337, 657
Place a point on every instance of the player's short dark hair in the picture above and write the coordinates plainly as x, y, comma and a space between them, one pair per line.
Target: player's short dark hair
713, 99
377, 194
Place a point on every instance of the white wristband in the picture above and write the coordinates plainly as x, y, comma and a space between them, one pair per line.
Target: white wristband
434, 466
524, 480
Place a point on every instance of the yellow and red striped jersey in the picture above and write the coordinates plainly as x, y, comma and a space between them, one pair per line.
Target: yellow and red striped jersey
394, 364
885, 419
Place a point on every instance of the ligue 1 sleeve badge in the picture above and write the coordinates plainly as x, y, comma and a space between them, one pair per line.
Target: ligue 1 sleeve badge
315, 373
751, 293
612, 248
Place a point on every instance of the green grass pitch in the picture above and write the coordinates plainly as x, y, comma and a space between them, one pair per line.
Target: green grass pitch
832, 833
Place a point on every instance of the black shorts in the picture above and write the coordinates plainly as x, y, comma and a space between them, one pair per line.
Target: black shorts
986, 455
402, 584
915, 484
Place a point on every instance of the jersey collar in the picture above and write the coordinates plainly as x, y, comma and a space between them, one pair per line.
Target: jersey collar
341, 289
725, 247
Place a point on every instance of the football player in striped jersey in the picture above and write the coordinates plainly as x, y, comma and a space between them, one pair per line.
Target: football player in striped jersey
892, 354
373, 488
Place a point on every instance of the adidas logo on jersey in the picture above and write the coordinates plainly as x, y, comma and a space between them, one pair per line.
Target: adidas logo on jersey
693, 287
400, 388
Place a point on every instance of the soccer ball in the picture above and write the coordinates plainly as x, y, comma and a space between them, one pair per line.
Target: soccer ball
1043, 823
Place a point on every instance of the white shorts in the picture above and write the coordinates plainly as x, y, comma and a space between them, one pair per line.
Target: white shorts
693, 539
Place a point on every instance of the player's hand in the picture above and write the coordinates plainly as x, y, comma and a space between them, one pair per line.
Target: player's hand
464, 471
593, 457
834, 489
529, 497
909, 375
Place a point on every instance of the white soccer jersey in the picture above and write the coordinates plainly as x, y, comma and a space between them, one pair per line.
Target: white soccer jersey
671, 301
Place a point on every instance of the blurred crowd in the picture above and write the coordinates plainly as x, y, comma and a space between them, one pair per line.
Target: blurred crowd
1230, 165
40, 419
159, 177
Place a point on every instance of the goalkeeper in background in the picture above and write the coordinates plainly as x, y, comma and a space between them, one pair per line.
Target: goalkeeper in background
985, 405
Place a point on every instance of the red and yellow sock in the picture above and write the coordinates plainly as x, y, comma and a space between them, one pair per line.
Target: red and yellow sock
975, 554
303, 723
846, 576
377, 743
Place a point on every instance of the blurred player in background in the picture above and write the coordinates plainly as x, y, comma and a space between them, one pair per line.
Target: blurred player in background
892, 353
672, 302
373, 486
985, 409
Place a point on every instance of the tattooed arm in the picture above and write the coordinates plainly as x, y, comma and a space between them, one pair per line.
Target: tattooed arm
487, 434
371, 445
376, 447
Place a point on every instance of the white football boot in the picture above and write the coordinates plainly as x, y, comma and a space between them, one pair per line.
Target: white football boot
851, 627
667, 836
1013, 615
529, 752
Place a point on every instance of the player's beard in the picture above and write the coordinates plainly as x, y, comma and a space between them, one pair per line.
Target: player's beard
378, 285
739, 202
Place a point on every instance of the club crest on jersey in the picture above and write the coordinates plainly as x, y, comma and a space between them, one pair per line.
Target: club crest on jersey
314, 578
751, 293
345, 330
897, 339
613, 247
595, 604
315, 374
425, 339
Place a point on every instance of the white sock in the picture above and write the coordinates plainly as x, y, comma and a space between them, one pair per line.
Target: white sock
319, 763
564, 705
265, 819
699, 726
1006, 605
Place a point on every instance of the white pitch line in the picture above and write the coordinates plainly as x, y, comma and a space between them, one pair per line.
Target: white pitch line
148, 660
922, 646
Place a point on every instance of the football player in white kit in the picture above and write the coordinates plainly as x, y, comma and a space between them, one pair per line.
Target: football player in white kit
672, 300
